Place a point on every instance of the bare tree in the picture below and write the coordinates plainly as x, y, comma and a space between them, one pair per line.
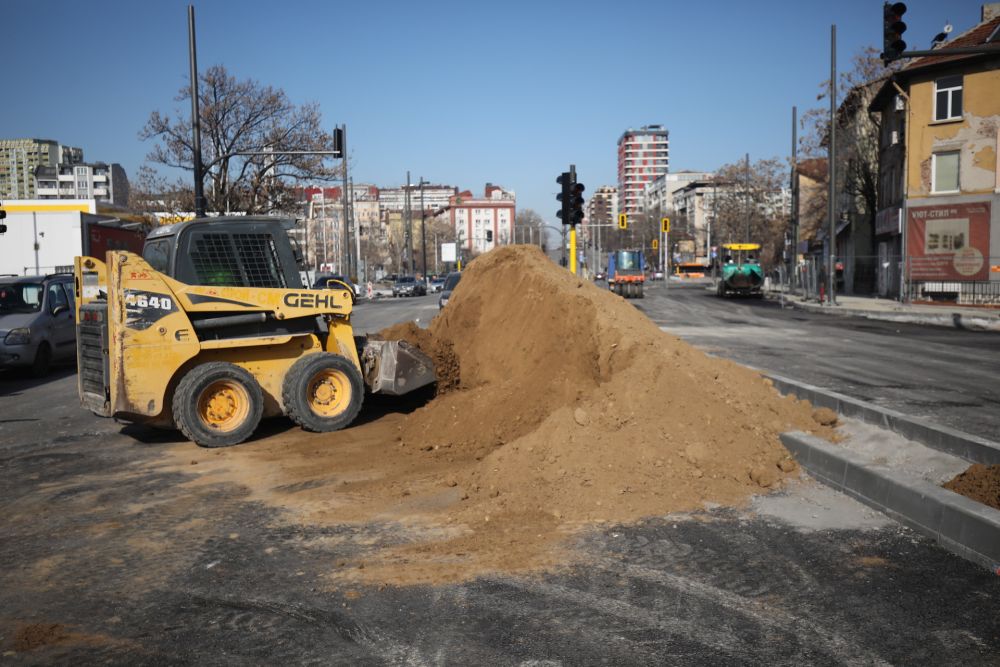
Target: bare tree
754, 209
529, 225
858, 133
244, 116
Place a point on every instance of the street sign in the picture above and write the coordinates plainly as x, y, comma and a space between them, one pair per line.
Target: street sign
448, 252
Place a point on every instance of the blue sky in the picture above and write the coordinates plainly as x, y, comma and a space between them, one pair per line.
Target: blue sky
457, 92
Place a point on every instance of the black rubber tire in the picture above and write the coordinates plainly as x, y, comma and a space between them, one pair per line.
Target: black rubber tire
295, 388
640, 295
188, 394
42, 362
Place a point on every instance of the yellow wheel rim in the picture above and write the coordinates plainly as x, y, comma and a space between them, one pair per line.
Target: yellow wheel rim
224, 405
328, 392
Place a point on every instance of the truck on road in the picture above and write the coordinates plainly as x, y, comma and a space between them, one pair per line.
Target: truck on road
741, 273
627, 273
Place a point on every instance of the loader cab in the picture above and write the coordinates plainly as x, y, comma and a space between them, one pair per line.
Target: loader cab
244, 251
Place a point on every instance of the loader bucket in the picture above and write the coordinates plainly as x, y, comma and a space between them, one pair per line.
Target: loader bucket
395, 367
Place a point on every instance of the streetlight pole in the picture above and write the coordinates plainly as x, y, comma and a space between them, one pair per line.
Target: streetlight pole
199, 173
408, 232
347, 227
423, 231
831, 278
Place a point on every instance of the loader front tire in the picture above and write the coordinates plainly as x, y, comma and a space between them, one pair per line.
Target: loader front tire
323, 392
218, 404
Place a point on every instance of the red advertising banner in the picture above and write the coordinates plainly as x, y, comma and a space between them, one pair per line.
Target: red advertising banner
102, 238
949, 241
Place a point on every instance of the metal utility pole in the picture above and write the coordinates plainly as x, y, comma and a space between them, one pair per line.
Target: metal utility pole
346, 203
423, 232
746, 201
357, 235
199, 171
831, 278
408, 225
793, 222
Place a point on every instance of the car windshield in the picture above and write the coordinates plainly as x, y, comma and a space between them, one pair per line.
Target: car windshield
407, 279
21, 298
452, 280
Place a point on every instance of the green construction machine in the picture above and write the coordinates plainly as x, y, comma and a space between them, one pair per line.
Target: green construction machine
740, 273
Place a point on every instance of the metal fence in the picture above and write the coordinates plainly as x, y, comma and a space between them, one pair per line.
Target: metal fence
964, 280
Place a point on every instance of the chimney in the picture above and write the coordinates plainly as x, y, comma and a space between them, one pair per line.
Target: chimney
991, 10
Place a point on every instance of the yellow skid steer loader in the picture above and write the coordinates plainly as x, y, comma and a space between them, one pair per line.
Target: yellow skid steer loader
211, 329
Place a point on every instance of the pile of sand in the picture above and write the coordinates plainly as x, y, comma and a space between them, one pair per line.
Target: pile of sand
979, 482
559, 406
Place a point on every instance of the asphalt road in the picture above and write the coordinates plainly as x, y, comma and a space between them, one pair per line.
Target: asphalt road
946, 375
109, 557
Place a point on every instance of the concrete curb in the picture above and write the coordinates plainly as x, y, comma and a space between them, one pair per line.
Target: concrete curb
964, 445
963, 526
951, 319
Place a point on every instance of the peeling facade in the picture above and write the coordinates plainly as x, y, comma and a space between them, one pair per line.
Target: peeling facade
938, 219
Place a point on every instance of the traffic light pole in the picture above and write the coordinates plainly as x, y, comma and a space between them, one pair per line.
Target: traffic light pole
571, 212
572, 229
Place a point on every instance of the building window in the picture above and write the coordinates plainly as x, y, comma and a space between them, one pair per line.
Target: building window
948, 98
944, 171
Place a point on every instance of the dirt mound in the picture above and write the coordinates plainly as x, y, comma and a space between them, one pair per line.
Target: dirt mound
980, 482
446, 365
578, 408
568, 407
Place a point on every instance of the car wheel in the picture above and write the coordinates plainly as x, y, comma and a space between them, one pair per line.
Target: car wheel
43, 360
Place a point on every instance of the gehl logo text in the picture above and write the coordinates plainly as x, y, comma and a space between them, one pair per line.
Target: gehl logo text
310, 300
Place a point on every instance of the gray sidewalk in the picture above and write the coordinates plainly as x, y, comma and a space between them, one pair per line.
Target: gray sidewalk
949, 315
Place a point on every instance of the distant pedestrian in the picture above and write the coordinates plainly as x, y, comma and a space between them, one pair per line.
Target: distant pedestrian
369, 289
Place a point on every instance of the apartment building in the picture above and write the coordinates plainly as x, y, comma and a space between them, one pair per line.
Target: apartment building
434, 197
937, 224
482, 223
19, 158
643, 156
659, 194
99, 181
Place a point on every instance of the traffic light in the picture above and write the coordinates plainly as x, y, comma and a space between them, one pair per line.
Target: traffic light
665, 225
489, 236
338, 141
571, 197
656, 244
892, 32
622, 221
3, 227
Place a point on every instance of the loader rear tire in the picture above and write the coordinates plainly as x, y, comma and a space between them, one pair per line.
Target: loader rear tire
323, 392
218, 404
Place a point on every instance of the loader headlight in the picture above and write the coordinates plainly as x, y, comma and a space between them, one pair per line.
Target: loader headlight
20, 336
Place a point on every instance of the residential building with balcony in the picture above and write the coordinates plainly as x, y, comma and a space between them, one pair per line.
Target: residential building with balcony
105, 183
937, 223
643, 156
483, 223
658, 197
434, 197
19, 158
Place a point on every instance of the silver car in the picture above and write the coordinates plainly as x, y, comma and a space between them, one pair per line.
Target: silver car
37, 326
